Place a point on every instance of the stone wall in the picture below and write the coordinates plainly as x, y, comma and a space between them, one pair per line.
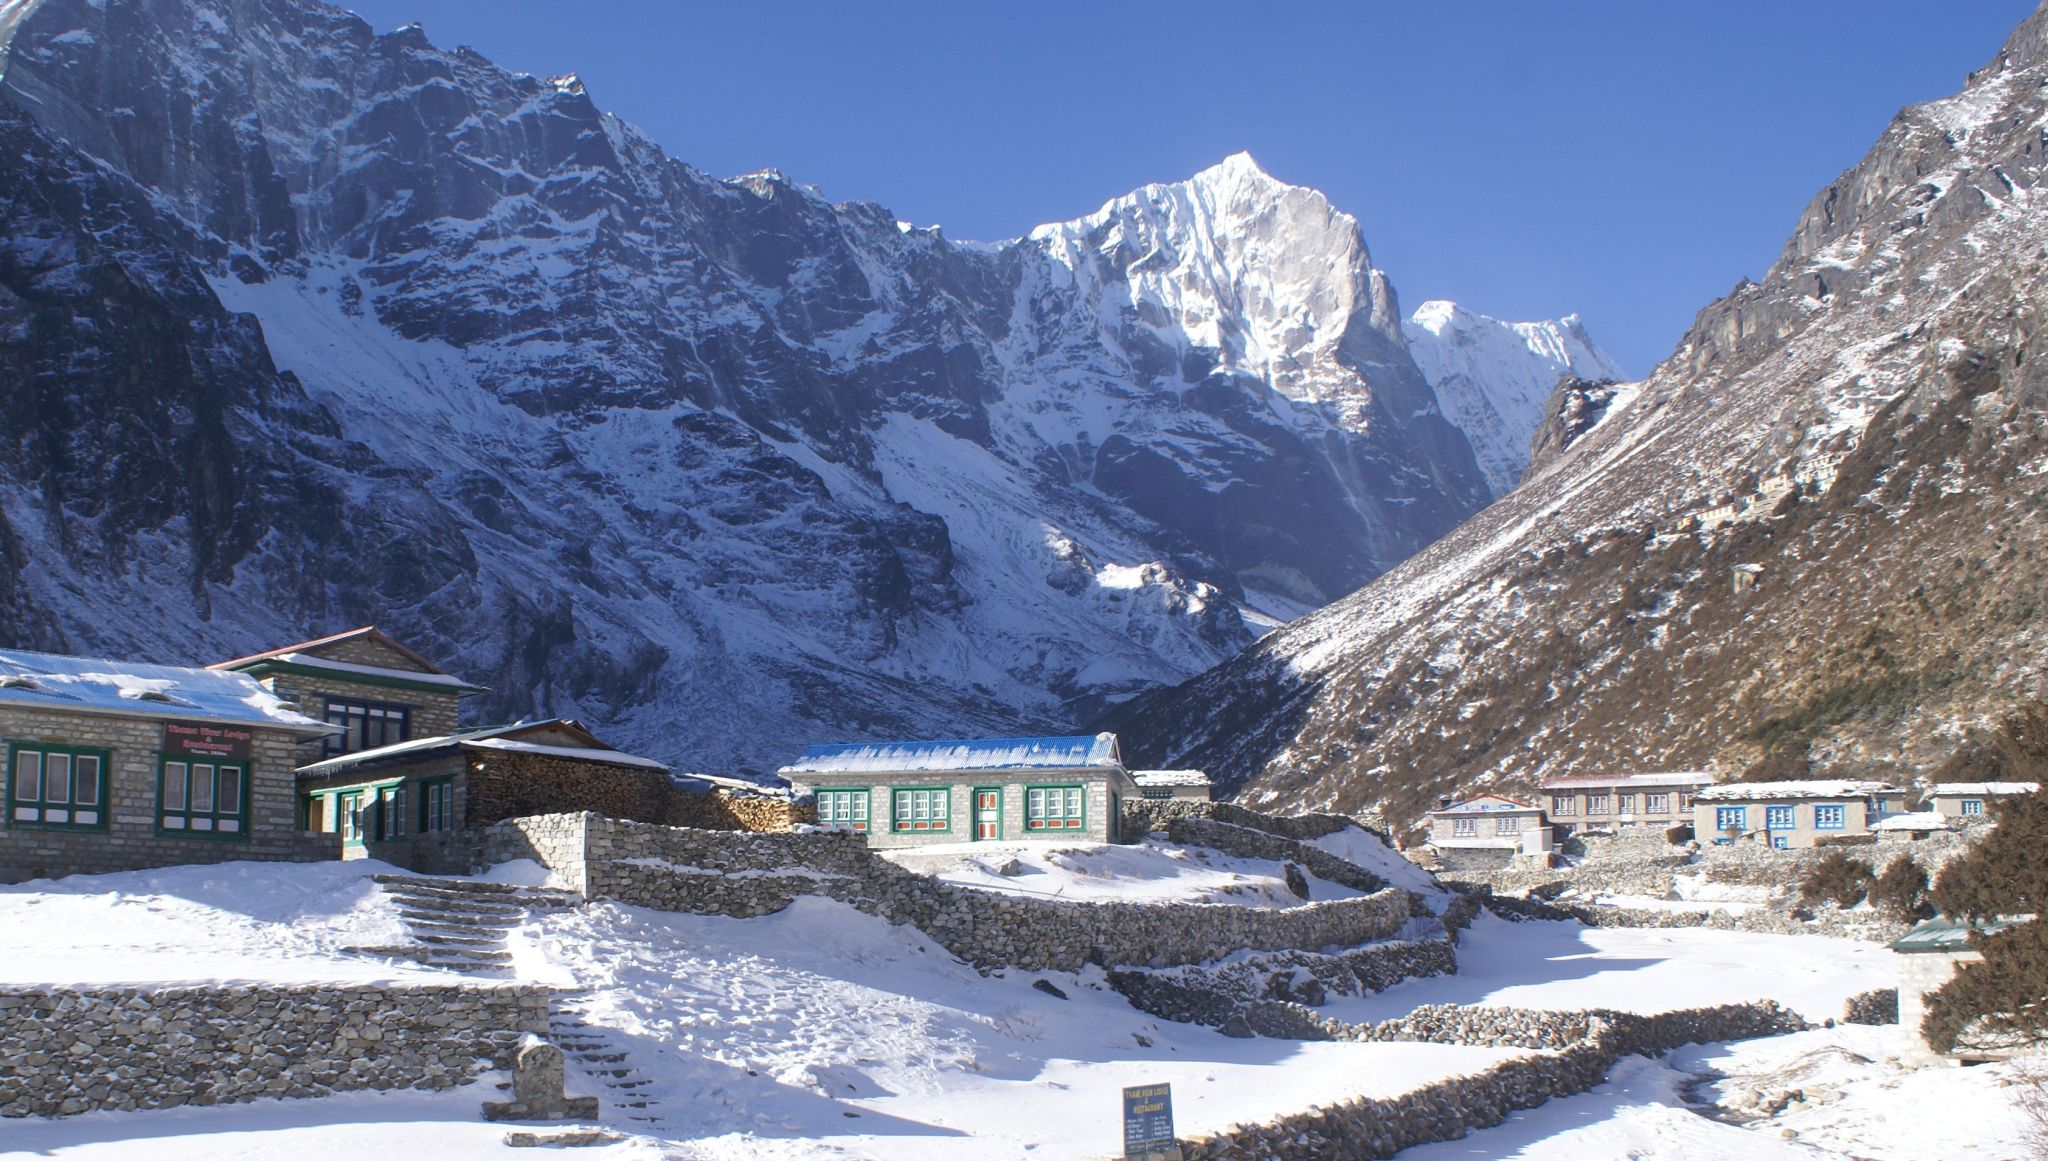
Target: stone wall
1864, 925
741, 875
1142, 816
1877, 1006
1585, 1046
65, 1051
1234, 839
129, 838
1212, 994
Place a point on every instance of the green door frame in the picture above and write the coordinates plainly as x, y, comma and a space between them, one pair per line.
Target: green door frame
974, 813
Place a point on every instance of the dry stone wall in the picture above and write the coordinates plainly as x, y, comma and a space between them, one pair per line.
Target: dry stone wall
1244, 841
74, 1050
741, 875
1213, 993
1580, 1049
1141, 816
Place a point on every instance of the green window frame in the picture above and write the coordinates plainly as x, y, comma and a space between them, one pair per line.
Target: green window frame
1155, 793
202, 798
846, 807
348, 814
1055, 808
57, 787
437, 805
921, 809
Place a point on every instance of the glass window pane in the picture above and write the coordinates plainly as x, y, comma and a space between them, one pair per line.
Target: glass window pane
174, 786
28, 776
230, 790
57, 778
202, 786
88, 779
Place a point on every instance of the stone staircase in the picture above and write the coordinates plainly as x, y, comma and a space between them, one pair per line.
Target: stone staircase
460, 924
598, 1051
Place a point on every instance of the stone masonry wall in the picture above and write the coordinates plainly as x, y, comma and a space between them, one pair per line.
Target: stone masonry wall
1144, 815
1235, 839
736, 874
1584, 1046
65, 1051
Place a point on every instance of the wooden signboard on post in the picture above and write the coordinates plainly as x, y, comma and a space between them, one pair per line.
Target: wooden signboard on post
1148, 1124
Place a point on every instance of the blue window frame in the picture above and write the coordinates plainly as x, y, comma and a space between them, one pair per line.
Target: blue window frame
1972, 806
1779, 817
1781, 842
1830, 817
1731, 818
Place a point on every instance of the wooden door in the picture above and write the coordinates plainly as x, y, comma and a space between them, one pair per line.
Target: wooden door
988, 813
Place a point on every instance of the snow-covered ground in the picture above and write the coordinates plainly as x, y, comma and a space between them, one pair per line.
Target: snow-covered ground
1566, 966
1154, 871
1859, 1104
231, 921
823, 1032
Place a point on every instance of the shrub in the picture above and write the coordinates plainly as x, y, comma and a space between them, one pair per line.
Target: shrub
1836, 879
1901, 892
2003, 874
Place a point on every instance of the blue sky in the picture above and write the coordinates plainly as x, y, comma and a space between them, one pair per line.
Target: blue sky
1626, 160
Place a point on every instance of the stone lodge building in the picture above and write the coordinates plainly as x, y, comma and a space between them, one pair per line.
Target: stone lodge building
1971, 801
969, 790
118, 765
1622, 800
1792, 815
1487, 833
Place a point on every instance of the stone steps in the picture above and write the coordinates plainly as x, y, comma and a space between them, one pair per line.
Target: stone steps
460, 925
601, 1057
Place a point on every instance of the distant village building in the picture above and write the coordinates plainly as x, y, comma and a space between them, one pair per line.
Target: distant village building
1166, 785
1792, 815
1622, 800
118, 765
969, 790
1971, 801
1929, 956
1912, 828
1487, 832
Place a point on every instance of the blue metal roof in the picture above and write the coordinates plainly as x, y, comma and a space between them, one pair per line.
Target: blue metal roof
960, 754
1944, 934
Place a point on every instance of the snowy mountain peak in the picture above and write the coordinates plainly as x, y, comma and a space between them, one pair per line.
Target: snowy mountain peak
1492, 378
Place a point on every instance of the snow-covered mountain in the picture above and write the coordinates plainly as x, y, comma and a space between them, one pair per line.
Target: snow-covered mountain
316, 326
1493, 378
1815, 540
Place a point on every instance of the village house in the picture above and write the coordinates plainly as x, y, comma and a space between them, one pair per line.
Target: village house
1487, 833
1971, 801
915, 793
1792, 815
116, 765
1174, 785
378, 691
1622, 800
392, 801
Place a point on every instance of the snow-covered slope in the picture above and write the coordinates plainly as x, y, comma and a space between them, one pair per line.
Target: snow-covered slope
319, 327
1810, 543
1493, 378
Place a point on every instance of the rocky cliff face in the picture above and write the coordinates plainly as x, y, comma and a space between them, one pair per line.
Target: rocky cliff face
1861, 435
407, 338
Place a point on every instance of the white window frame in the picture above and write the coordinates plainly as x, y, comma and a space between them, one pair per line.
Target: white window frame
845, 808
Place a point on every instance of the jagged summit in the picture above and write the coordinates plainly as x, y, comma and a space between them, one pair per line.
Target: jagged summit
718, 462
1858, 437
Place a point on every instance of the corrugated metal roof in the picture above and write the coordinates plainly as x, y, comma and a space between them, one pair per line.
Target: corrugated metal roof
1945, 934
960, 754
501, 738
1818, 788
1170, 778
1625, 781
1486, 803
92, 685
